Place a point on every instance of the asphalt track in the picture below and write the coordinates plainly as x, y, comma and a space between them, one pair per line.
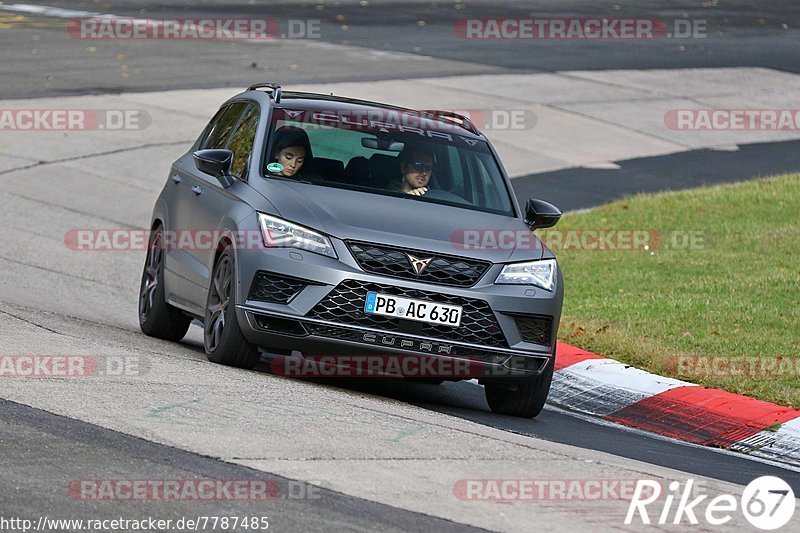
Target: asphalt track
575, 188
52, 302
47, 61
37, 480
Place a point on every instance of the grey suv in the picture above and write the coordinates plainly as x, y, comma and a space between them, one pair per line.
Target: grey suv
321, 228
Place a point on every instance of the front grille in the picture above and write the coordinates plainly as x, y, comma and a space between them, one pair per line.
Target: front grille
270, 287
535, 329
442, 269
345, 305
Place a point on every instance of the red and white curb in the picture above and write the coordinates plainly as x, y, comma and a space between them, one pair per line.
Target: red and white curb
592, 384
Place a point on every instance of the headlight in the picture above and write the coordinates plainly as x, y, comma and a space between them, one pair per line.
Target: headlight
279, 233
539, 273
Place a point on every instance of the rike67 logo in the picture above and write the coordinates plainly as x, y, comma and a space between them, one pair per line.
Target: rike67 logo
767, 503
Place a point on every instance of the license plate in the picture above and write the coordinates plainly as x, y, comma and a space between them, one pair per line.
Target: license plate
410, 309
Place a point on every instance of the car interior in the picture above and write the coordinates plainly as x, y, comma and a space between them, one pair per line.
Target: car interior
459, 176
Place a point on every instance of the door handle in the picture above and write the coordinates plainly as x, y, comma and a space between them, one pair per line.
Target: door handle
176, 178
198, 190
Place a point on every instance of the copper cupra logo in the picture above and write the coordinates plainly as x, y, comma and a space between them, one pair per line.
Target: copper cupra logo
418, 264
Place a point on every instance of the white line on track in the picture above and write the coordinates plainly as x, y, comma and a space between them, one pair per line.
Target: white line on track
49, 11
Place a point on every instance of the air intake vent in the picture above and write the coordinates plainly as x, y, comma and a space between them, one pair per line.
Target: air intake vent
535, 329
269, 287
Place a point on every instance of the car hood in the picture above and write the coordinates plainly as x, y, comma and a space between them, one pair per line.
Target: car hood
404, 222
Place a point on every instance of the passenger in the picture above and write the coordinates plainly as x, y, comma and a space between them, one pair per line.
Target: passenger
416, 167
291, 150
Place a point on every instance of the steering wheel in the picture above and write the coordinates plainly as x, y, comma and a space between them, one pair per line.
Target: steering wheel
439, 194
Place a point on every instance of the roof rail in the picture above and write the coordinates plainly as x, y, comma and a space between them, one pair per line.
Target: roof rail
275, 94
461, 120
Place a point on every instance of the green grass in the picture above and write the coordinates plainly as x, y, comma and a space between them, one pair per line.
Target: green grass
735, 293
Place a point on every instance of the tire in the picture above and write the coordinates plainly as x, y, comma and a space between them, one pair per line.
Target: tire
156, 317
222, 336
523, 399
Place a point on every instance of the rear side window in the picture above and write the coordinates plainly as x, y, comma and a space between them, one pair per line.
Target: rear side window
220, 131
242, 141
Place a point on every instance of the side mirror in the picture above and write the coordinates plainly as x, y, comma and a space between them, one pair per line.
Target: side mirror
215, 163
540, 214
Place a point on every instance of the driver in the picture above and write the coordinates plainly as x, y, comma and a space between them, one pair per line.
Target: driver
291, 150
416, 167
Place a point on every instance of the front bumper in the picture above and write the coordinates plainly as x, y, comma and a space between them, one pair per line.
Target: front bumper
318, 305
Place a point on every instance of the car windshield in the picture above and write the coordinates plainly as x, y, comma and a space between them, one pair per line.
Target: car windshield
388, 153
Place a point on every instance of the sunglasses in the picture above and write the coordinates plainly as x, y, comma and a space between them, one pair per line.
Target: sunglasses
419, 166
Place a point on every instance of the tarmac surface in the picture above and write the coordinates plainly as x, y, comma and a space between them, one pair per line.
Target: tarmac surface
378, 39
386, 455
